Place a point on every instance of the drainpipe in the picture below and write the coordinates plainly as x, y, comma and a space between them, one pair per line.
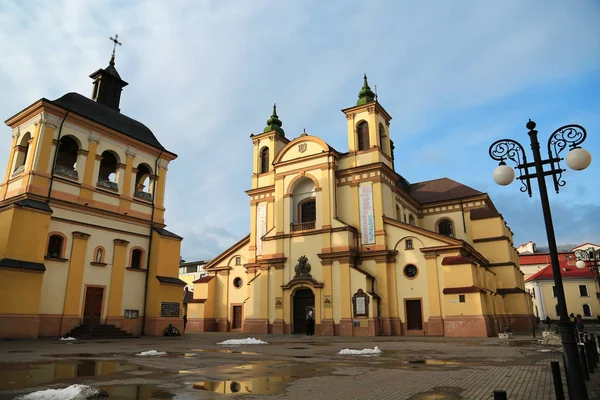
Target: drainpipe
462, 212
150, 239
55, 158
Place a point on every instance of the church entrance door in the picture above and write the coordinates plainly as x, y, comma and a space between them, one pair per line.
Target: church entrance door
237, 318
414, 318
92, 310
304, 300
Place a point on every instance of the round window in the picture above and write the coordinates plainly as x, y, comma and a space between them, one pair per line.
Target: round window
410, 271
235, 386
237, 282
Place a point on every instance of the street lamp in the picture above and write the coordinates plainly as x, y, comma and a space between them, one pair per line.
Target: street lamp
577, 159
587, 258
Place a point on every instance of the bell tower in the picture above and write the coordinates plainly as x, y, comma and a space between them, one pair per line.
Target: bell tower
266, 147
368, 129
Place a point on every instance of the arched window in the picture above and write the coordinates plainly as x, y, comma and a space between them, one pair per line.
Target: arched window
264, 160
66, 158
136, 258
362, 131
108, 167
55, 246
445, 228
587, 312
382, 139
308, 210
143, 180
411, 219
21, 153
398, 212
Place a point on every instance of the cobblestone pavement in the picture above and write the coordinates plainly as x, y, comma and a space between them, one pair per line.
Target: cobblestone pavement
289, 367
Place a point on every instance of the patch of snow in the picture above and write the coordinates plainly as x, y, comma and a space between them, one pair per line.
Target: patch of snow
360, 352
67, 338
242, 341
152, 353
545, 350
73, 392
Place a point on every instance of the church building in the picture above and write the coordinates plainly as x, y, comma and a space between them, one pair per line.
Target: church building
343, 234
83, 249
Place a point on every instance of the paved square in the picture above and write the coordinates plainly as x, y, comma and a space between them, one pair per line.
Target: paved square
289, 367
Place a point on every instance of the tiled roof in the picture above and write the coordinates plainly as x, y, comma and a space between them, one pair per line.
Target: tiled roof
441, 190
566, 271
172, 281
20, 264
164, 232
204, 279
541, 258
483, 213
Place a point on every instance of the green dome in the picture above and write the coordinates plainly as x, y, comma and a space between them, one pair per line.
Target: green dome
274, 124
365, 95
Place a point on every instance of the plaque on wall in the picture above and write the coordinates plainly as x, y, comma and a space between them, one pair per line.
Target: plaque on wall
278, 302
360, 303
327, 301
169, 309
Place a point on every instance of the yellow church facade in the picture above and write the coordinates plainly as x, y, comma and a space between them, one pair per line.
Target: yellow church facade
344, 235
82, 238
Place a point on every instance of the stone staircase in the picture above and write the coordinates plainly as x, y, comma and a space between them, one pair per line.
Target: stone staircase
93, 331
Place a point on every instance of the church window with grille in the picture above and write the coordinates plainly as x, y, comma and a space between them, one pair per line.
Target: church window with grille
362, 130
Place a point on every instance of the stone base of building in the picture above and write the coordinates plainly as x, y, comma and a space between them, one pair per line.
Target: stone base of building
277, 327
68, 323
468, 326
19, 326
256, 325
155, 326
325, 328
50, 325
223, 325
391, 326
435, 326
520, 322
201, 325
130, 325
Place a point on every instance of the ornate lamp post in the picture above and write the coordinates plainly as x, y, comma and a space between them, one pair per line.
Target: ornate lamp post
577, 159
587, 258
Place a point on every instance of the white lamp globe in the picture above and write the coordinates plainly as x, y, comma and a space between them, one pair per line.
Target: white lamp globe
578, 159
504, 175
580, 264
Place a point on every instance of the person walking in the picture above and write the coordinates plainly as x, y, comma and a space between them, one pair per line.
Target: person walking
310, 323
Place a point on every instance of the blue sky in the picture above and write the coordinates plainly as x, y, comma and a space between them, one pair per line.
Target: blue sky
203, 75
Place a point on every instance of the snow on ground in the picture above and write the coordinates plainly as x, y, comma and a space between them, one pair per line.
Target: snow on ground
360, 352
67, 338
242, 341
73, 392
152, 353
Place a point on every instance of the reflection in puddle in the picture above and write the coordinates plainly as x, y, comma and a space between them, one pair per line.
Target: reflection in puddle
261, 385
19, 376
139, 392
228, 351
435, 362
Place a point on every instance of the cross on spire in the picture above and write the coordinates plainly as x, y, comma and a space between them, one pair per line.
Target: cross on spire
115, 43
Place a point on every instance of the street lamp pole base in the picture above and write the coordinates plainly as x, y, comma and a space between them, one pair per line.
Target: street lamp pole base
568, 335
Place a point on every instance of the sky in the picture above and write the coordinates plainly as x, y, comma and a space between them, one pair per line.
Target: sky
203, 75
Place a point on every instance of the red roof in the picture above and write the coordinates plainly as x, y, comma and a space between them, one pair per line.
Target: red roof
538, 258
566, 271
204, 279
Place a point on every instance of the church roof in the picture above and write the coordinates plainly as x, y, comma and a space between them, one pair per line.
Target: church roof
101, 114
441, 190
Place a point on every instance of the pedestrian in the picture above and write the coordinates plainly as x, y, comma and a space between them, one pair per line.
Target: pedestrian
184, 321
310, 323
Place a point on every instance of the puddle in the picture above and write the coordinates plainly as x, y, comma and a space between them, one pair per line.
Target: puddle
20, 351
20, 376
228, 351
302, 356
138, 392
261, 385
299, 348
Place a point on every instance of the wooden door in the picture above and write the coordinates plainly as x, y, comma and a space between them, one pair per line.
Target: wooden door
414, 318
237, 317
304, 299
92, 312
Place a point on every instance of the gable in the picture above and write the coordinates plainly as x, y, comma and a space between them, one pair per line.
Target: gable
301, 147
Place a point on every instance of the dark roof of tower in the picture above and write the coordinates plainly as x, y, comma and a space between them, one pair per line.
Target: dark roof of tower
101, 114
274, 123
366, 95
441, 190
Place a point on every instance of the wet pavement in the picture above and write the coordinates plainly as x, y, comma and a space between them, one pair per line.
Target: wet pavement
289, 367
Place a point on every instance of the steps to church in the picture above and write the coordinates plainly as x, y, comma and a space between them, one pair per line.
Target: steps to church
98, 332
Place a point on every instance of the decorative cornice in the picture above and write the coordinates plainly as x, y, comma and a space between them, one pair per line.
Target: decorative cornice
94, 137
120, 242
131, 151
162, 163
81, 235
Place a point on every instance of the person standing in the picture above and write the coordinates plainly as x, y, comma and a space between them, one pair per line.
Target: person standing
184, 321
310, 323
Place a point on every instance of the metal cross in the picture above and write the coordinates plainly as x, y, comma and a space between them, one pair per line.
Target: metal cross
116, 42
